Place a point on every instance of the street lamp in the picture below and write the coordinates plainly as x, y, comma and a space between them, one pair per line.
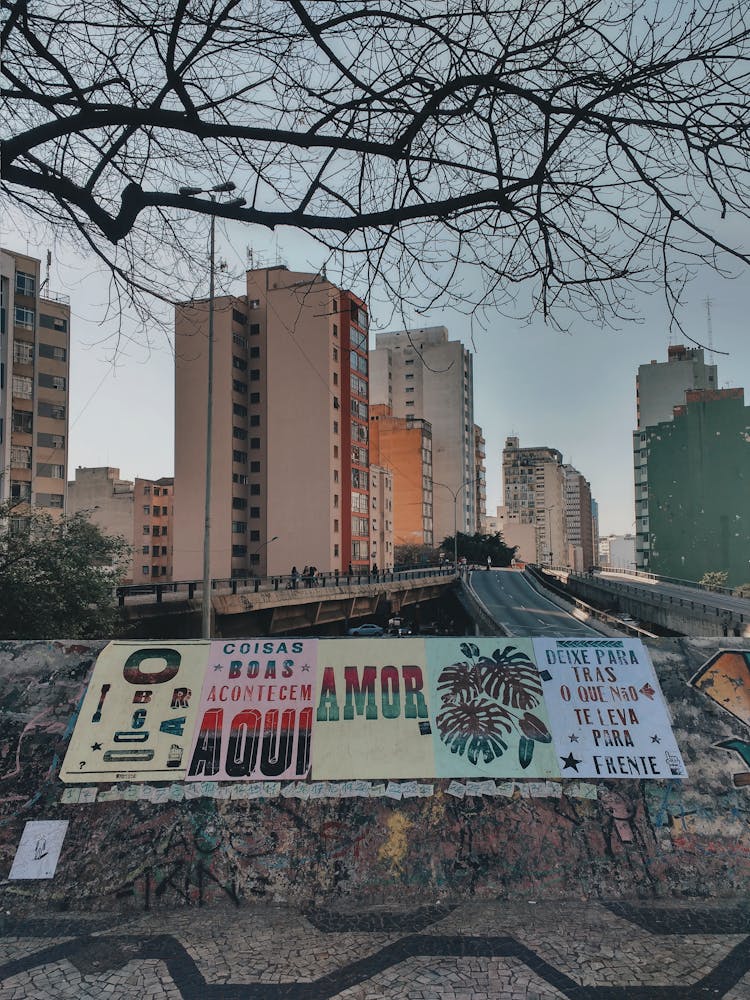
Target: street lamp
454, 494
190, 192
263, 545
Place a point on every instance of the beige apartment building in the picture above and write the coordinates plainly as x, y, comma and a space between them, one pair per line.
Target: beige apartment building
381, 534
534, 494
579, 520
34, 386
141, 512
421, 374
290, 461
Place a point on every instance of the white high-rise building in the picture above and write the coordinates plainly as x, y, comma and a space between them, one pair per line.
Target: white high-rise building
423, 375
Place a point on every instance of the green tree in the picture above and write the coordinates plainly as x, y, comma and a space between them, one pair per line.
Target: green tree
414, 555
477, 547
714, 580
57, 577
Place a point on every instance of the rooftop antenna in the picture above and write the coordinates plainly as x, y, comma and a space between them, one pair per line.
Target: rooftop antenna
46, 279
708, 303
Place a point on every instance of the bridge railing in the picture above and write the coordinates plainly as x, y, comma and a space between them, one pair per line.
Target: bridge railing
645, 575
254, 584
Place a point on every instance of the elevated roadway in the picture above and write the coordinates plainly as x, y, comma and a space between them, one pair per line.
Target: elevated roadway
522, 610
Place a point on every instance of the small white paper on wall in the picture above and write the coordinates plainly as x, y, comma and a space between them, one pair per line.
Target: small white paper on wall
39, 849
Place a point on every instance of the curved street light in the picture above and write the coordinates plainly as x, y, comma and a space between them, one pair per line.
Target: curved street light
455, 494
212, 192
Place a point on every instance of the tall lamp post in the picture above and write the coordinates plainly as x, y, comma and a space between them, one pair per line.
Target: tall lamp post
455, 494
212, 192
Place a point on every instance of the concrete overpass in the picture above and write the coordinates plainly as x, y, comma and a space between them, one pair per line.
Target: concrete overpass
273, 605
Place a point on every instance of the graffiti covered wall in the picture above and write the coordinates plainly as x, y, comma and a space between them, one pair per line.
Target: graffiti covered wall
366, 830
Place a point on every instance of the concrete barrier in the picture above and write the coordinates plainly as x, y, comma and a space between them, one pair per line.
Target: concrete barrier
147, 846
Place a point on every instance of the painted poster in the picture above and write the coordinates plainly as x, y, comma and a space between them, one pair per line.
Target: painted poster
137, 717
372, 715
256, 711
489, 717
725, 679
39, 849
607, 712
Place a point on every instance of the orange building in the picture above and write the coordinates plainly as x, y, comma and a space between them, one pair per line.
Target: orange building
404, 445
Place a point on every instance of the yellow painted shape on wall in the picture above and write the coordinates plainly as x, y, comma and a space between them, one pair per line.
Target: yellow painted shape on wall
138, 714
396, 847
371, 714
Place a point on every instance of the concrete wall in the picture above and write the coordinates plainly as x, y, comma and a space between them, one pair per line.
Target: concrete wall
547, 839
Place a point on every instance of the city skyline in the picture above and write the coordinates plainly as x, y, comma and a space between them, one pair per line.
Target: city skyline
571, 391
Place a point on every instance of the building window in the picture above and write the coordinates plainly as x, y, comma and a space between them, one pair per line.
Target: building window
146, 508
239, 503
22, 386
20, 491
240, 457
240, 478
335, 426
20, 457
154, 550
255, 512
335, 378
255, 397
145, 570
254, 536
146, 490
238, 386
255, 420
164, 571
254, 329
53, 323
255, 466
51, 381
24, 317
144, 550
22, 421
239, 410
25, 283
239, 550
50, 440
255, 557
50, 471
240, 433
156, 530
254, 444
254, 304
146, 529
255, 489
239, 317
254, 352
239, 527
336, 525
239, 340
239, 363
23, 352
335, 499
255, 374
335, 475
335, 354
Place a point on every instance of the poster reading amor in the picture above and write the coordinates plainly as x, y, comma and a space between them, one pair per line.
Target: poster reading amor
606, 710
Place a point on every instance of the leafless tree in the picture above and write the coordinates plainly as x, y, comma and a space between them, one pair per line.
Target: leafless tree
575, 148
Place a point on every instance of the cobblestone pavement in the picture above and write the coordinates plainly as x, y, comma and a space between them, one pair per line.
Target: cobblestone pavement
658, 950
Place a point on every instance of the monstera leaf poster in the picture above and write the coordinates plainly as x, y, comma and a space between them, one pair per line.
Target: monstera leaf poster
489, 714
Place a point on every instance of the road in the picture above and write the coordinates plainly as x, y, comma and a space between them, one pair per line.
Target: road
522, 610
660, 591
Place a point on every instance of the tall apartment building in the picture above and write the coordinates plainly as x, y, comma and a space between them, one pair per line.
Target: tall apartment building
34, 380
617, 552
534, 493
698, 466
578, 519
595, 529
290, 466
142, 512
660, 386
422, 374
404, 446
480, 476
381, 533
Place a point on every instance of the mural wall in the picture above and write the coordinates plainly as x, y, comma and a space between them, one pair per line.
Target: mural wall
419, 783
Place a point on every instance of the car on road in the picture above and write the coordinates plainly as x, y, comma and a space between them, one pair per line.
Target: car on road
369, 628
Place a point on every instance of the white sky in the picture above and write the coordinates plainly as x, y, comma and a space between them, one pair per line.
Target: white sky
574, 391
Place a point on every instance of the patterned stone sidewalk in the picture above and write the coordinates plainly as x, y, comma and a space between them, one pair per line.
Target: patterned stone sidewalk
658, 950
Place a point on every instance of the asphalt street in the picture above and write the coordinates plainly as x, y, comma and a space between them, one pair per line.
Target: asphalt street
516, 605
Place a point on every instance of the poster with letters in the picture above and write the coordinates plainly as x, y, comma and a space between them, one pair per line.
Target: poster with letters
372, 716
256, 711
607, 712
137, 716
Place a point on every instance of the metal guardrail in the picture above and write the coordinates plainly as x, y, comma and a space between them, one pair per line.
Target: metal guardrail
256, 584
644, 574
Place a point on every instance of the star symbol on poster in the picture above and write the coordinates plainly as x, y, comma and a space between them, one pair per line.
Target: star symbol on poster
571, 761
304, 667
573, 738
96, 746
655, 738
218, 666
